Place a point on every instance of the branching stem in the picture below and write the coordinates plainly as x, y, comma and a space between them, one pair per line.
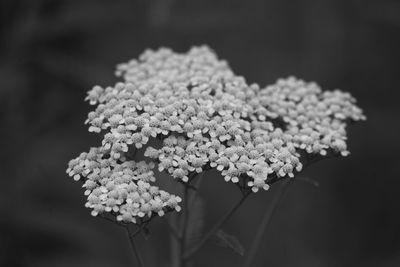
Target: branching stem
214, 229
185, 217
265, 222
134, 248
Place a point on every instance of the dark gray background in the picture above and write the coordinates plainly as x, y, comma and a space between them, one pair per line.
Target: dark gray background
52, 52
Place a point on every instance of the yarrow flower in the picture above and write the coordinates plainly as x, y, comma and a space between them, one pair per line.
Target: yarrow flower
205, 117
122, 188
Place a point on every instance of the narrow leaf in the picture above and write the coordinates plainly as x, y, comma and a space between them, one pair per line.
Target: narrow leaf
229, 241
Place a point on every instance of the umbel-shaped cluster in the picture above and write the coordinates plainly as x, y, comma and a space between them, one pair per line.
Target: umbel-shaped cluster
120, 187
206, 117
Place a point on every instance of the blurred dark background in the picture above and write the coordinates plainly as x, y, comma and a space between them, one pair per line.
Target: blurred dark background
52, 52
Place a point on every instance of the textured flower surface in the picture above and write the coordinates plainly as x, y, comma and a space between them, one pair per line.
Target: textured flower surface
206, 117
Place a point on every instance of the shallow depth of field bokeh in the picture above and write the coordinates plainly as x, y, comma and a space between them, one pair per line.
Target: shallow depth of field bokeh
52, 52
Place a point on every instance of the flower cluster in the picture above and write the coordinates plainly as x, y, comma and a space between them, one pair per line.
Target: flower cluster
208, 117
316, 121
121, 188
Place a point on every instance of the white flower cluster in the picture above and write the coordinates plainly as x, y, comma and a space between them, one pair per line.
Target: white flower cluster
208, 117
121, 188
315, 120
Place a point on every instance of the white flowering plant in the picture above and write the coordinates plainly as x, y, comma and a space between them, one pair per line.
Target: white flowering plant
189, 113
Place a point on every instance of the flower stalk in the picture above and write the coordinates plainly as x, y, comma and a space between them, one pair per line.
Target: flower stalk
134, 248
184, 226
215, 228
266, 220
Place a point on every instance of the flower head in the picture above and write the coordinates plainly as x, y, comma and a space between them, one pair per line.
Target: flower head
205, 117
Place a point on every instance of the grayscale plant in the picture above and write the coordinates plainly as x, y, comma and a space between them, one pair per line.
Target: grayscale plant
189, 113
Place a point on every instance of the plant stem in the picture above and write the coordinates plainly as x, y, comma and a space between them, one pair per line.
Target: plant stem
173, 231
197, 184
134, 248
265, 222
213, 230
175, 238
185, 216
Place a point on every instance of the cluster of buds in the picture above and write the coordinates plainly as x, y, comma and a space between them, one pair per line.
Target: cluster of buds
206, 117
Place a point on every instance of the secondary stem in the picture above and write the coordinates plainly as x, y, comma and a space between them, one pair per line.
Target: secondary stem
196, 185
185, 217
213, 230
265, 222
175, 241
134, 248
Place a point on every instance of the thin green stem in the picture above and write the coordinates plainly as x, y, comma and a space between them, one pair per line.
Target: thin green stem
265, 222
134, 248
214, 229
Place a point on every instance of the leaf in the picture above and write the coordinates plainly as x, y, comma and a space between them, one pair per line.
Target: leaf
195, 222
229, 241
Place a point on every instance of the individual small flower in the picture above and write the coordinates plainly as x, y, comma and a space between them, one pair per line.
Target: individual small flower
151, 152
198, 163
138, 140
258, 183
173, 202
231, 174
341, 147
165, 127
223, 162
180, 174
94, 94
